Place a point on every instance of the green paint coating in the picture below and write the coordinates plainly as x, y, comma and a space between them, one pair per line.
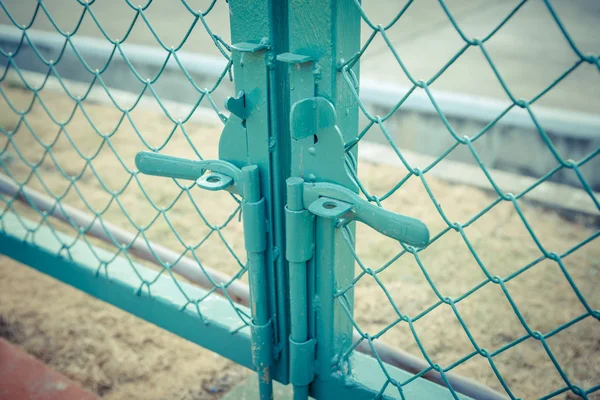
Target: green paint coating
299, 249
262, 344
233, 142
247, 182
366, 374
181, 168
247, 47
214, 181
328, 207
299, 240
317, 145
237, 106
255, 242
291, 58
325, 30
251, 27
302, 371
404, 229
169, 305
255, 238
296, 68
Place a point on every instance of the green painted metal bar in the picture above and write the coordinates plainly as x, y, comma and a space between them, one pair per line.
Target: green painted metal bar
280, 161
298, 284
334, 35
367, 378
333, 328
299, 250
299, 238
255, 241
250, 22
167, 307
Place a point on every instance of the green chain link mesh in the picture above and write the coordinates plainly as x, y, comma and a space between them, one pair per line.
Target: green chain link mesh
93, 168
16, 162
379, 123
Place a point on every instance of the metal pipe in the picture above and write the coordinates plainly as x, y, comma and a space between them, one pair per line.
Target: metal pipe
297, 280
238, 291
413, 364
255, 241
110, 233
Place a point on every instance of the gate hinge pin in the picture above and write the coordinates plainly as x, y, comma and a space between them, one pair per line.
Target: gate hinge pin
299, 250
246, 183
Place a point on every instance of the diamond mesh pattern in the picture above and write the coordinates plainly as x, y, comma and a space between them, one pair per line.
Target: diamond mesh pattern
81, 154
377, 125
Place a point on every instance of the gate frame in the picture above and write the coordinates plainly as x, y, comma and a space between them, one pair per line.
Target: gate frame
271, 88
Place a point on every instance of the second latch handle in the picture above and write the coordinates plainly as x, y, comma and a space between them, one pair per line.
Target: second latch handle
331, 200
169, 166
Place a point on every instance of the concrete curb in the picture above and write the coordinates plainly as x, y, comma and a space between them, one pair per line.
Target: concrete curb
145, 58
561, 123
548, 194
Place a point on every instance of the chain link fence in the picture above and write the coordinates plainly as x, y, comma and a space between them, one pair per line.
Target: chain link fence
68, 154
568, 379
68, 151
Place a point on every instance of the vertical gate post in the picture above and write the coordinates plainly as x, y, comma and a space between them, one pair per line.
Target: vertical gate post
255, 42
322, 33
328, 31
255, 241
299, 250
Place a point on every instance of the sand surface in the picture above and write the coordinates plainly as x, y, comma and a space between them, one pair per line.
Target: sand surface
120, 357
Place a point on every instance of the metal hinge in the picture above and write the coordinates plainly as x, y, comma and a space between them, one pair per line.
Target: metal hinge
231, 173
244, 182
300, 244
323, 186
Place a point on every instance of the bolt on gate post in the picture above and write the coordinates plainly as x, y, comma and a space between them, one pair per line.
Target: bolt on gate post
300, 115
302, 46
321, 35
254, 43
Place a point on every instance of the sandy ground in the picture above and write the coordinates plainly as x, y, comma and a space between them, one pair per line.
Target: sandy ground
108, 351
119, 357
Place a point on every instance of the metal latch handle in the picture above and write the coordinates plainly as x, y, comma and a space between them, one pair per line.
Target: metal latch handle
335, 201
224, 175
169, 166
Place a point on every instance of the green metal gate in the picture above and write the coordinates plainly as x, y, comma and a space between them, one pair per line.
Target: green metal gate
287, 156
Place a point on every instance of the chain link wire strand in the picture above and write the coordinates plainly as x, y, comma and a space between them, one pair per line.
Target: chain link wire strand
36, 173
364, 272
15, 150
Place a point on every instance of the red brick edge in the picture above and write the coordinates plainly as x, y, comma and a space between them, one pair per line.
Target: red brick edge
22, 377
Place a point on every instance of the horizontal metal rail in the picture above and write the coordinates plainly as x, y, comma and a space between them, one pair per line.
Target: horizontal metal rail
238, 291
109, 233
212, 323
